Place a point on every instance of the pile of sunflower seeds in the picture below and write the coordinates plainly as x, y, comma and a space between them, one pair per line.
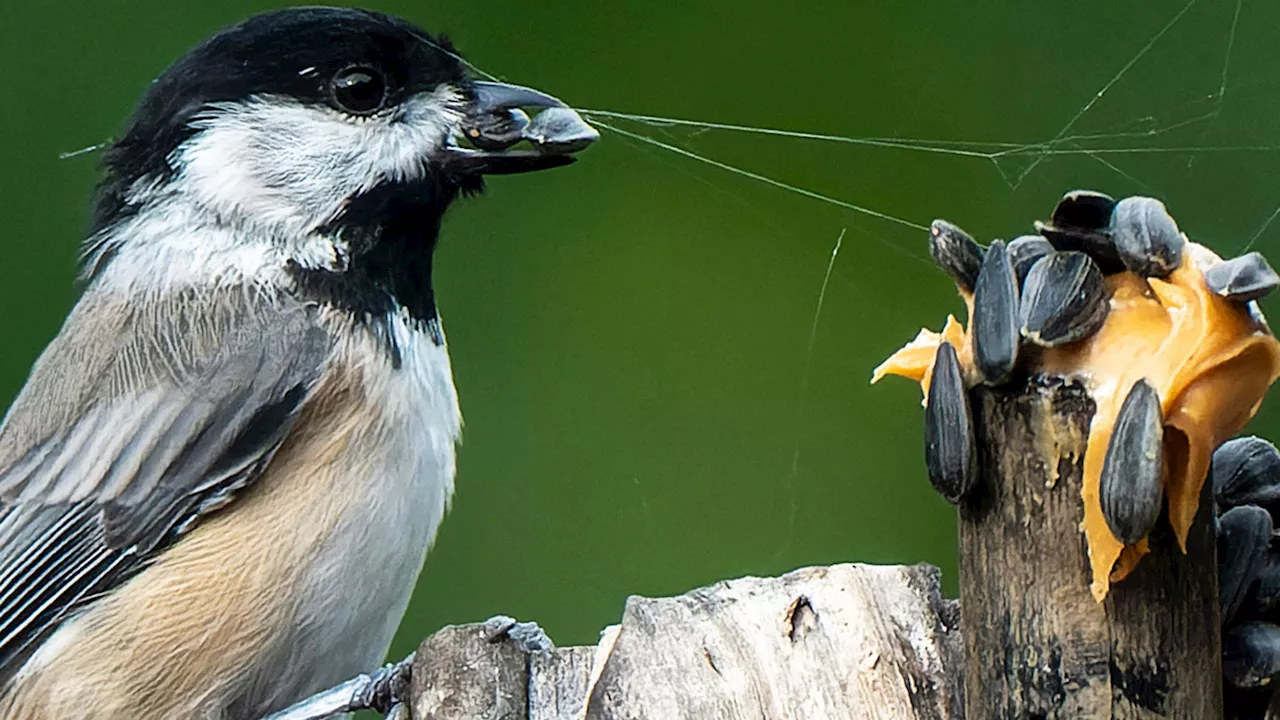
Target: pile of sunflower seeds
1047, 290
1246, 487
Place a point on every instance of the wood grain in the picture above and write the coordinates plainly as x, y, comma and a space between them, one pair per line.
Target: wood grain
1037, 644
845, 642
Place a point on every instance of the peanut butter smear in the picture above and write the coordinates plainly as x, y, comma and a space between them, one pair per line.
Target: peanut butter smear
1210, 359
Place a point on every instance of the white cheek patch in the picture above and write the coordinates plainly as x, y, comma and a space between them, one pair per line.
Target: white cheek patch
281, 163
256, 181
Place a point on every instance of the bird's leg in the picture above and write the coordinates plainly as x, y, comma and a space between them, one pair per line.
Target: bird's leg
384, 691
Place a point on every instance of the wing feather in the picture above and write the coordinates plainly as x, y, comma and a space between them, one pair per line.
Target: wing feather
135, 422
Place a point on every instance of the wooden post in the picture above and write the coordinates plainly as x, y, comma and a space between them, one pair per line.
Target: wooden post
1037, 644
845, 642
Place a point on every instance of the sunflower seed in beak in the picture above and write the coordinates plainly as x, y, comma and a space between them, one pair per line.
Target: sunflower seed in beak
560, 131
497, 130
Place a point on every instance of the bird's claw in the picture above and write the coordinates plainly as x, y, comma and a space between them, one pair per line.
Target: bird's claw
386, 689
528, 636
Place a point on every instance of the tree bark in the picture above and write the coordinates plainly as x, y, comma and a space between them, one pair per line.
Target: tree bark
1037, 644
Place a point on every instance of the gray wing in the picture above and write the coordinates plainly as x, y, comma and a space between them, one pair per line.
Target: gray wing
136, 421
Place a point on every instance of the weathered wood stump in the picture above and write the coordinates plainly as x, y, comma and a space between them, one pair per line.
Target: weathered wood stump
1037, 643
845, 642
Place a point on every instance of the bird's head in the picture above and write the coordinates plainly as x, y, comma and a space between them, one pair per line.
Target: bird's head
313, 135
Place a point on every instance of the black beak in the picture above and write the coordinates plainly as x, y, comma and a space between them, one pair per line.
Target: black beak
495, 121
491, 96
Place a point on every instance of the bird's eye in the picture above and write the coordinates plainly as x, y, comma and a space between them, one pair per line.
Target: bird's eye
359, 90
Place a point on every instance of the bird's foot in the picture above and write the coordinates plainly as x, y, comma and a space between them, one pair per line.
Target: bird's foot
384, 691
528, 635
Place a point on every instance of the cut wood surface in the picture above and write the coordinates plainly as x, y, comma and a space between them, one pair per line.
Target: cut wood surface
845, 641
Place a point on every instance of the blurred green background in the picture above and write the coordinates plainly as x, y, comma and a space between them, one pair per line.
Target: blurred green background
647, 407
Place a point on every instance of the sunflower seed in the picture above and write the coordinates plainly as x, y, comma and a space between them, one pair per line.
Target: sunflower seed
955, 252
995, 316
1130, 490
560, 131
1084, 209
1265, 595
1245, 278
1244, 534
1063, 300
1146, 237
1024, 251
1081, 222
949, 449
497, 130
1251, 653
1246, 471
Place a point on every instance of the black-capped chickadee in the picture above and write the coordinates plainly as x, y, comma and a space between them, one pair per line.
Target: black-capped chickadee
222, 477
